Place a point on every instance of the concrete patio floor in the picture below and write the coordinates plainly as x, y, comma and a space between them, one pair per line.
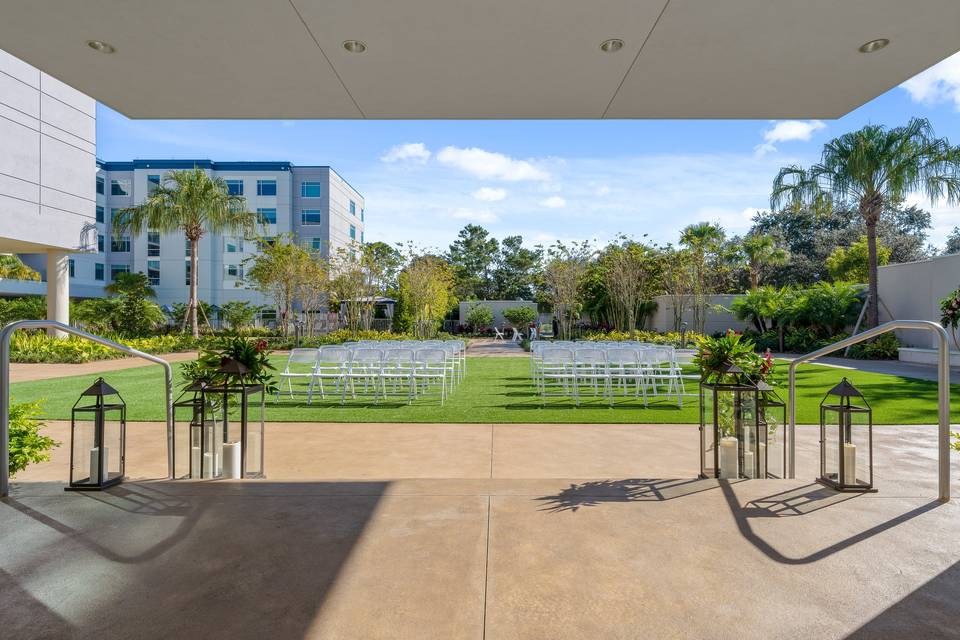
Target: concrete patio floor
482, 531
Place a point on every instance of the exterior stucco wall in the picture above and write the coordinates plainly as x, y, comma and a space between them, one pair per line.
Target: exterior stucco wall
912, 291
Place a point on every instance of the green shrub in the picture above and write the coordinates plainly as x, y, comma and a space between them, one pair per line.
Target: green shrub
27, 444
29, 308
520, 316
654, 337
886, 347
800, 340
769, 339
38, 347
480, 316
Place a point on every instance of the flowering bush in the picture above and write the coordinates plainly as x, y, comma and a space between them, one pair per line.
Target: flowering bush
713, 354
950, 313
654, 337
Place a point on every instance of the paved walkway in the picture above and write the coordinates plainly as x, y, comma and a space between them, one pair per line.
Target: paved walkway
552, 532
485, 347
26, 371
889, 367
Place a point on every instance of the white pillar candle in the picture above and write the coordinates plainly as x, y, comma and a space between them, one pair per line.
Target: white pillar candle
95, 463
231, 460
210, 465
849, 463
763, 459
748, 464
729, 448
195, 462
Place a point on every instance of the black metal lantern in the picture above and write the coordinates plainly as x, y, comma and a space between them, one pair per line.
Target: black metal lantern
773, 420
846, 439
731, 439
197, 454
239, 442
97, 438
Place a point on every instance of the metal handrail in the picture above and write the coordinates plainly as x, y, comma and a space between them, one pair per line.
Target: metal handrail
943, 391
5, 334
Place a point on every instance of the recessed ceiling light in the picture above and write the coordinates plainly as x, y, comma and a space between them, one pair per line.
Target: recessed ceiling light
354, 46
874, 45
611, 45
101, 46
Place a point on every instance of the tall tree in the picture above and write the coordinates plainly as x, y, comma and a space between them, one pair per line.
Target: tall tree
190, 201
517, 269
473, 254
759, 253
426, 290
869, 169
953, 241
562, 279
134, 315
704, 240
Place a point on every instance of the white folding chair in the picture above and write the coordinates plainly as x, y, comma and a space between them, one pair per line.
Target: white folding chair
365, 365
301, 365
332, 362
397, 369
590, 368
623, 367
556, 370
430, 366
497, 335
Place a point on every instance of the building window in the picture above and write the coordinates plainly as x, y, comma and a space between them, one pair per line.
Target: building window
361, 214
119, 187
234, 271
118, 268
265, 242
316, 244
361, 237
100, 185
153, 183
153, 272
266, 187
187, 278
235, 187
267, 216
100, 242
234, 245
98, 271
99, 213
73, 268
153, 243
186, 247
114, 214
309, 189
353, 232
353, 208
310, 216
120, 244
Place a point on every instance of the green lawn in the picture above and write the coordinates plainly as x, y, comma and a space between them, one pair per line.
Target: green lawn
499, 390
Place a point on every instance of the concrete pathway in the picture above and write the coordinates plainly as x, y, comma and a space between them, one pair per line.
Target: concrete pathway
26, 371
483, 347
889, 367
553, 532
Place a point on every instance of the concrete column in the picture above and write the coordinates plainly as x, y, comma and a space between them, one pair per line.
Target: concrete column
58, 290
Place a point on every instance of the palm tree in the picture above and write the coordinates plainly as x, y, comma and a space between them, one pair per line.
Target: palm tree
871, 169
703, 239
130, 284
760, 251
190, 201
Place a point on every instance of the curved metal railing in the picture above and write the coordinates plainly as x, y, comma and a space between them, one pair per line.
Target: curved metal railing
5, 334
943, 391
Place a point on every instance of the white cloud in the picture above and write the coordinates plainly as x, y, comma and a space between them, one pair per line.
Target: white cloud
785, 131
603, 190
940, 83
412, 151
490, 165
553, 202
490, 194
474, 215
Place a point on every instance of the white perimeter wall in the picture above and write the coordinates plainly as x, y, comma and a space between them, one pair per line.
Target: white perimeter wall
912, 291
717, 321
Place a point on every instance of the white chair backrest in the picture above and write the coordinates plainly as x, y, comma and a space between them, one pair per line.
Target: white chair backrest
623, 356
557, 355
589, 356
430, 355
302, 356
398, 355
367, 356
333, 354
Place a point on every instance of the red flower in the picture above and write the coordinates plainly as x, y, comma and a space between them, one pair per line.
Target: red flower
261, 346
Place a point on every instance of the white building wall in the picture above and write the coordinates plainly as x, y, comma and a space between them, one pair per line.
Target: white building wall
912, 291
47, 161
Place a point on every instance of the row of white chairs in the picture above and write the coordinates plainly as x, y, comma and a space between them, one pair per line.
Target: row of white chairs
401, 367
564, 368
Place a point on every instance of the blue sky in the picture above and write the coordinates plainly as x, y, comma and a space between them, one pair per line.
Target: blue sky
546, 180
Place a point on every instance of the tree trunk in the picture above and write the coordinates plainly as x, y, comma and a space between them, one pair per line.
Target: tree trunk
754, 279
872, 303
194, 302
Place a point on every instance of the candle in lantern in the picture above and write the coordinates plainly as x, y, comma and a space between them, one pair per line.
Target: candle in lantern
231, 460
849, 463
195, 462
748, 465
95, 463
763, 459
729, 448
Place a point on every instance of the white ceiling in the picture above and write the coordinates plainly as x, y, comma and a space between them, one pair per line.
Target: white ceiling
481, 58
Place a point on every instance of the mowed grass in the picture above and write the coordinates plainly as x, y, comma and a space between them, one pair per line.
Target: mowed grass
499, 390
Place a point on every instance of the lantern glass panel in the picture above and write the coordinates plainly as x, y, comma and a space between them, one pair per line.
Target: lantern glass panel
833, 419
860, 475
112, 444
85, 466
772, 452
